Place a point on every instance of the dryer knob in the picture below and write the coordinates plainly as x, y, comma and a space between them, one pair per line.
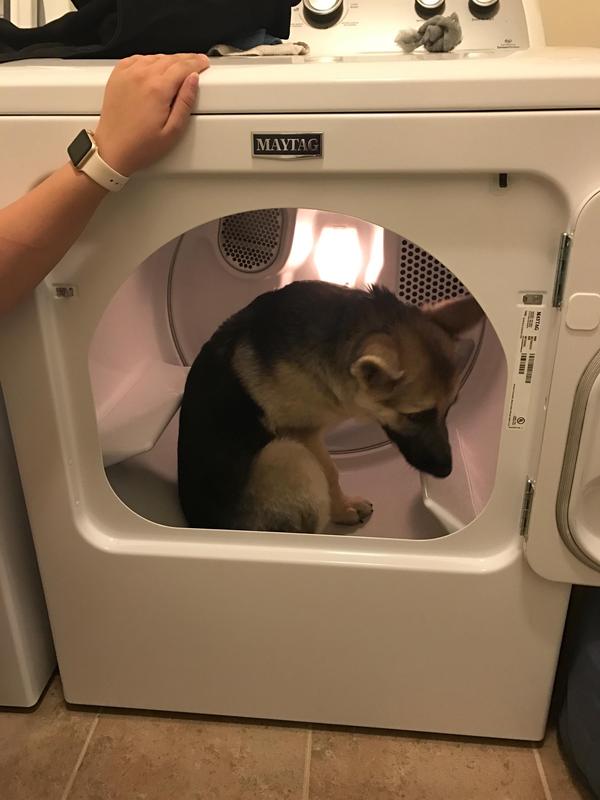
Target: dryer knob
323, 13
484, 9
429, 8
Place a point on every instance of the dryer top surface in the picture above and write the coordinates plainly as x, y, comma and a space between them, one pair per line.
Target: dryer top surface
542, 78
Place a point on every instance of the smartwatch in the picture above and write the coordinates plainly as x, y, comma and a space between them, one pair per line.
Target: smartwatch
84, 155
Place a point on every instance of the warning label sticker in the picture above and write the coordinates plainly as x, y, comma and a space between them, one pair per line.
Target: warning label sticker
532, 320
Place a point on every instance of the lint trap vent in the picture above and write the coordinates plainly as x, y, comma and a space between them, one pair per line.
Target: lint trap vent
251, 241
423, 280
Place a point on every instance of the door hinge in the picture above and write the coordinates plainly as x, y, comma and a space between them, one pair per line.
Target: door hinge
561, 269
526, 507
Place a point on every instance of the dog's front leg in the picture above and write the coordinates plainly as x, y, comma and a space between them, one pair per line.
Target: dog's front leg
344, 510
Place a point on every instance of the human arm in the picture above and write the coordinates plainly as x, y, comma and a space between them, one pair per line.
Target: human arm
147, 103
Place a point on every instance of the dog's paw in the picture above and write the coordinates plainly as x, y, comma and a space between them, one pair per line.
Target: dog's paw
353, 511
362, 507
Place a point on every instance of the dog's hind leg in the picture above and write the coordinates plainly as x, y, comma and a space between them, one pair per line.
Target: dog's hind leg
287, 491
343, 509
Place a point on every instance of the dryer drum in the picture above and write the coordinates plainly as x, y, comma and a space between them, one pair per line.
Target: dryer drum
183, 292
251, 242
422, 279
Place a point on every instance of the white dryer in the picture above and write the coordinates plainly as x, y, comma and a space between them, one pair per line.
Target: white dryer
474, 171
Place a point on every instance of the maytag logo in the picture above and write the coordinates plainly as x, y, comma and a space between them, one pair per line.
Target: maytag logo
287, 145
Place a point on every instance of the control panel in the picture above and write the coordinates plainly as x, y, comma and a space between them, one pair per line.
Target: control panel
360, 27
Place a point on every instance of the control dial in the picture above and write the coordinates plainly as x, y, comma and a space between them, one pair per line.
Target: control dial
323, 13
429, 8
483, 9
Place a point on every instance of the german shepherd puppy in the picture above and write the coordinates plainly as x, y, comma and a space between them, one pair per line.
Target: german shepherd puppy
293, 363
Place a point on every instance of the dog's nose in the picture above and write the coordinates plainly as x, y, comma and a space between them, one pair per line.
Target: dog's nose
440, 469
430, 454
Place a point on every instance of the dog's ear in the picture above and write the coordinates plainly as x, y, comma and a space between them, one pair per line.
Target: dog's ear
455, 316
376, 373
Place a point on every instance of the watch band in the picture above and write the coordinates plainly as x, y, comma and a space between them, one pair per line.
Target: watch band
84, 155
99, 171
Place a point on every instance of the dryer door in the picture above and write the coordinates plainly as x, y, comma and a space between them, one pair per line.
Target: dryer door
563, 535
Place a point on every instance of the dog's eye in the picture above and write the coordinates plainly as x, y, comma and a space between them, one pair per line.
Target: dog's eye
421, 417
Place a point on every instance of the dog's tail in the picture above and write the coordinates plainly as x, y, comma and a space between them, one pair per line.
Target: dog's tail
287, 491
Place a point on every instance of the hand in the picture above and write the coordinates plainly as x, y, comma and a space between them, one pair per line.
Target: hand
147, 105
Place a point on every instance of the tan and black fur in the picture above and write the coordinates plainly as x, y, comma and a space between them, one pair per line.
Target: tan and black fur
293, 363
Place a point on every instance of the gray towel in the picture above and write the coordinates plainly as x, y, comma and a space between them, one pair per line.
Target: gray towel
438, 35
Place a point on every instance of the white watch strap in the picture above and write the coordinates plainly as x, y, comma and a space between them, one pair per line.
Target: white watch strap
98, 170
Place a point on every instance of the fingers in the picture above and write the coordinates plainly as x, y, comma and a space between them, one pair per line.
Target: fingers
159, 63
147, 103
182, 106
196, 60
165, 74
132, 61
173, 77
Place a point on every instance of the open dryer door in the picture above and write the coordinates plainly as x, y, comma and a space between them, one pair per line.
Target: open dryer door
563, 532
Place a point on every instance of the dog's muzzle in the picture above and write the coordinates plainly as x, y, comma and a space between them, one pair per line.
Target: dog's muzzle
427, 450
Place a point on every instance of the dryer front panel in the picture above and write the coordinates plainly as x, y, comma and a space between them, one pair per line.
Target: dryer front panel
492, 232
494, 237
134, 598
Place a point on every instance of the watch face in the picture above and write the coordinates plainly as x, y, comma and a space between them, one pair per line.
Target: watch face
80, 147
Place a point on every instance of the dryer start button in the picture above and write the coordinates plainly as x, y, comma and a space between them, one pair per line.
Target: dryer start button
583, 311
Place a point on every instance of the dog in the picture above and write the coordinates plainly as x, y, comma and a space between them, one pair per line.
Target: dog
293, 363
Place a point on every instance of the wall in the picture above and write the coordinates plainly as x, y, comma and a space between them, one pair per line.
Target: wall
572, 22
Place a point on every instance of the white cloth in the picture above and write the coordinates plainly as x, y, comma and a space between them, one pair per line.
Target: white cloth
283, 49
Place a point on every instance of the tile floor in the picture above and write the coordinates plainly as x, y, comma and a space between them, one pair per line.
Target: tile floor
62, 753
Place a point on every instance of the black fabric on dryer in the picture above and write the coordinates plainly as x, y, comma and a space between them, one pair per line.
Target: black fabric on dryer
120, 28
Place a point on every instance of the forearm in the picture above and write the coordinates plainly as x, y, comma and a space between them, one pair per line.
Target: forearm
147, 104
38, 229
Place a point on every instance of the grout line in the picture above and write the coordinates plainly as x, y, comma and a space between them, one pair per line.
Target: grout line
79, 761
542, 774
307, 760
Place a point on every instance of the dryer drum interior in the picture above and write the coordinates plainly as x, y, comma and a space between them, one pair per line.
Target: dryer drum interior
156, 323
